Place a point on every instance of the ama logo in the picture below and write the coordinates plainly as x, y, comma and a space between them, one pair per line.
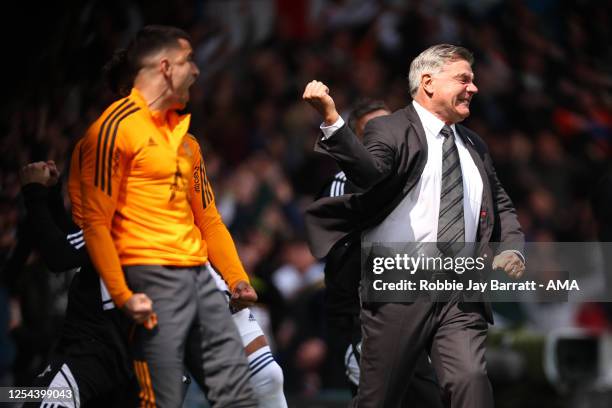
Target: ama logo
562, 285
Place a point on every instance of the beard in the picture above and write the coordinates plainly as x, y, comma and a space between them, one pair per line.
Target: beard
180, 99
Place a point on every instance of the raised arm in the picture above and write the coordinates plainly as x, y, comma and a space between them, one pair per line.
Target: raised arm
365, 164
59, 241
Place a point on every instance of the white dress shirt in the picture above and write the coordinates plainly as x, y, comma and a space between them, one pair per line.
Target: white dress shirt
415, 219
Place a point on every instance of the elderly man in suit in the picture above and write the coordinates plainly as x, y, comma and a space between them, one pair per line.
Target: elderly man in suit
425, 179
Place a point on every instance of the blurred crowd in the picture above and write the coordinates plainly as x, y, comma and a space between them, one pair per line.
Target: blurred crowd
544, 108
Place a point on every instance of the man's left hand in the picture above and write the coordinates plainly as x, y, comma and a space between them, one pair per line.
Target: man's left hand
243, 296
509, 262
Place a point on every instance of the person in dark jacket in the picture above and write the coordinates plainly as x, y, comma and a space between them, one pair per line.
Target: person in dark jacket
91, 356
426, 179
342, 273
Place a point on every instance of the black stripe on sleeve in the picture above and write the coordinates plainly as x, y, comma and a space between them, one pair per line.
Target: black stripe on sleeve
109, 166
105, 144
209, 191
206, 187
203, 187
97, 177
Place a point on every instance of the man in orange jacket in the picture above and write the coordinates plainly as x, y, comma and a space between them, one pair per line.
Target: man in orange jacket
152, 228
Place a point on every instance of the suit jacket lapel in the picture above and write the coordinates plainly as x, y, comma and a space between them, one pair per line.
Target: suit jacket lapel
486, 218
415, 121
418, 147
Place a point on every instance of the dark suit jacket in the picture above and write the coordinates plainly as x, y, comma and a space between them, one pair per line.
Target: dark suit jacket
387, 166
342, 262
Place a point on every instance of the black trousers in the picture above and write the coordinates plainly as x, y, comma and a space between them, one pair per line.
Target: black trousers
85, 371
394, 338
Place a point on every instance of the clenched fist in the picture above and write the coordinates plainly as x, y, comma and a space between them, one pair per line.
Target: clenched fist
44, 173
317, 95
139, 307
243, 296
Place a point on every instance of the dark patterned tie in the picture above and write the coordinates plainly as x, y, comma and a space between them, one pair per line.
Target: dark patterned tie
451, 226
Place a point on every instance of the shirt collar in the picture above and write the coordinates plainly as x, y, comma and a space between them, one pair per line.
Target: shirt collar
431, 123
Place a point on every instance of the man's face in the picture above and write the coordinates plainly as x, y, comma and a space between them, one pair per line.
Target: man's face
363, 121
182, 72
452, 90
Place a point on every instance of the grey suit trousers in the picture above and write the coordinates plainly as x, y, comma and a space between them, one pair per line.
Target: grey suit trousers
394, 336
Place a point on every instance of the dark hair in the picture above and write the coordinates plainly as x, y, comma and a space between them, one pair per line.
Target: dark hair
363, 107
123, 66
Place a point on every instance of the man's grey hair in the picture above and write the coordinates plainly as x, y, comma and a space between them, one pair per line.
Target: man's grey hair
432, 60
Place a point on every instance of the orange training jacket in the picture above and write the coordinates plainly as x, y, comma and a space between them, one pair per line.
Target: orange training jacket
145, 197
